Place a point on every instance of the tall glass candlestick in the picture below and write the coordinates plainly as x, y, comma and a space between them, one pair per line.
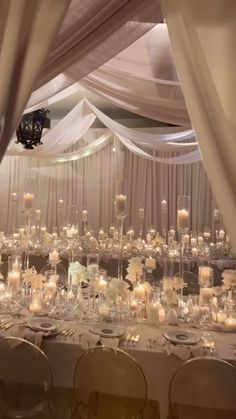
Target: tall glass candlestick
183, 225
164, 221
60, 213
14, 210
141, 214
121, 210
216, 214
84, 222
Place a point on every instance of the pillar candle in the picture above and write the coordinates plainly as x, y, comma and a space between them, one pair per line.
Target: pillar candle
164, 205
28, 199
121, 201
141, 212
206, 295
230, 324
183, 218
84, 216
14, 280
139, 291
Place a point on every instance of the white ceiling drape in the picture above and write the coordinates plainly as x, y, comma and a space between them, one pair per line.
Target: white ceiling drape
77, 122
141, 79
24, 47
204, 46
92, 33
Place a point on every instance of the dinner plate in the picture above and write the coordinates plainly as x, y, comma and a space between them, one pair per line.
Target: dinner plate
183, 337
107, 331
44, 324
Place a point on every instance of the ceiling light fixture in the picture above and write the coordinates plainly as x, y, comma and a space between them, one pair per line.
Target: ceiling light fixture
30, 129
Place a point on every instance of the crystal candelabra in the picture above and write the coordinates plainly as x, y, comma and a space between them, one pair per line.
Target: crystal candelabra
183, 224
121, 211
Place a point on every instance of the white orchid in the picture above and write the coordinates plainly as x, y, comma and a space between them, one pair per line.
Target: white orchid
229, 278
117, 288
78, 273
135, 269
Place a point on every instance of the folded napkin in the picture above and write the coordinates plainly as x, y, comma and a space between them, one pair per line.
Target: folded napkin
183, 352
90, 340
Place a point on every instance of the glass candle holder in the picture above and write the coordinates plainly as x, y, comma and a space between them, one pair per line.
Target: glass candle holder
205, 275
183, 213
121, 198
15, 263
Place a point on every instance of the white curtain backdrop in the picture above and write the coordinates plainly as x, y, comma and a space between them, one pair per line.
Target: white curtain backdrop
90, 182
203, 38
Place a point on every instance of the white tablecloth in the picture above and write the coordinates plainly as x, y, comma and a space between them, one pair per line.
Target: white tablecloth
64, 352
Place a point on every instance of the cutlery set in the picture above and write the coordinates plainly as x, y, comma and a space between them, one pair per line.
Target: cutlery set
151, 343
132, 340
68, 332
6, 325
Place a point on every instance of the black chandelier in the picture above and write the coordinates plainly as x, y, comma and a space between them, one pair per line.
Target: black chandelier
29, 131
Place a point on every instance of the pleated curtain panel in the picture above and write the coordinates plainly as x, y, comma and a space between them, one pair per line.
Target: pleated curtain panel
203, 37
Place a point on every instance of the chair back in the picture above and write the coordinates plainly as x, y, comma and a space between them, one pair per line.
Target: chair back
203, 388
191, 281
25, 379
109, 383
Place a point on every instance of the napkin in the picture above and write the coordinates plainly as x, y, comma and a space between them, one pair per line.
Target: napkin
90, 340
183, 352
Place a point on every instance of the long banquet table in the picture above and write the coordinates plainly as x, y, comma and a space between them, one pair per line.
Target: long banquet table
63, 353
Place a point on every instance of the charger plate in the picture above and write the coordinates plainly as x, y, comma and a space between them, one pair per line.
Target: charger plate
182, 337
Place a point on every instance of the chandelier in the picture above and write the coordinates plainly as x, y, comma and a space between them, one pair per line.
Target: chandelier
29, 131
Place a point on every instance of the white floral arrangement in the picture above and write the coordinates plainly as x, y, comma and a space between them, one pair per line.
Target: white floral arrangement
117, 288
135, 269
78, 273
229, 278
36, 280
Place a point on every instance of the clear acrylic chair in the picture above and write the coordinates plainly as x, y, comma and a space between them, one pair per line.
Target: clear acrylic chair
108, 383
25, 380
203, 388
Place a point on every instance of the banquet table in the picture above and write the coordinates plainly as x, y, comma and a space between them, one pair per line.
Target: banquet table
64, 352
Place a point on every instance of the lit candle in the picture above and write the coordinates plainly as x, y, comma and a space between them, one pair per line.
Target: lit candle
141, 212
130, 234
21, 231
216, 213
207, 234
150, 263
230, 324
102, 285
54, 256
182, 218
16, 236
206, 295
205, 273
200, 240
193, 242
88, 235
60, 203
14, 280
1, 235
101, 235
43, 230
28, 199
35, 308
111, 231
153, 314
194, 251
84, 216
121, 201
14, 197
221, 234
139, 291
164, 205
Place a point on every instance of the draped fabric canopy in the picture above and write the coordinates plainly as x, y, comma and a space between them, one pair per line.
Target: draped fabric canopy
142, 79
92, 33
204, 46
79, 120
